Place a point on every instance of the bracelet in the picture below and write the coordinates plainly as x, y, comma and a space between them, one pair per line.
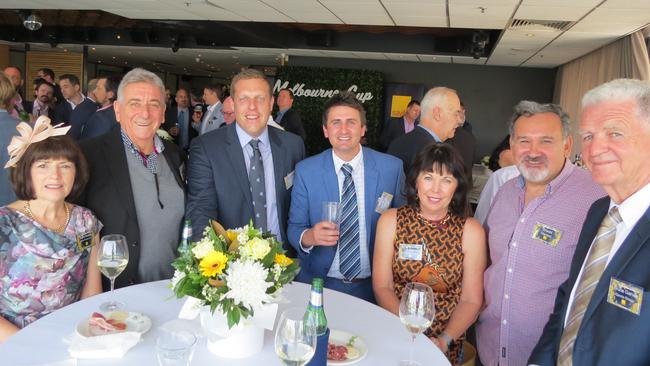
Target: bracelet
447, 338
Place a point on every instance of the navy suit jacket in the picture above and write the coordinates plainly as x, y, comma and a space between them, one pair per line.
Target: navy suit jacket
393, 129
218, 186
608, 334
316, 182
7, 132
99, 123
291, 122
80, 115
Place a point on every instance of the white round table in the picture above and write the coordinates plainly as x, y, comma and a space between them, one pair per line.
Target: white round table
387, 340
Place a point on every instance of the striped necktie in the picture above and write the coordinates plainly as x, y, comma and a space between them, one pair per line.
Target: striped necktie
591, 273
349, 249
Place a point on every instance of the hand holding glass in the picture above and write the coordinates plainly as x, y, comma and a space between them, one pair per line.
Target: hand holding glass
295, 339
331, 213
112, 258
416, 311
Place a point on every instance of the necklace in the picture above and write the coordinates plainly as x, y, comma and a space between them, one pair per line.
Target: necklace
442, 223
58, 229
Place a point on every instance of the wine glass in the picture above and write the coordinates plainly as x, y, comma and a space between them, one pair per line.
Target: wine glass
295, 338
416, 311
112, 258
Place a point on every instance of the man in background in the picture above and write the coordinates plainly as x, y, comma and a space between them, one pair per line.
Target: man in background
178, 120
212, 118
83, 111
104, 118
396, 127
288, 117
71, 90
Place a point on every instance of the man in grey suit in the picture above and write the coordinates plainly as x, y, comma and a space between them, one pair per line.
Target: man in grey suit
212, 118
7, 131
244, 171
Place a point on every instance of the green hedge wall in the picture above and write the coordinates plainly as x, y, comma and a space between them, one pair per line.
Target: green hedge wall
311, 108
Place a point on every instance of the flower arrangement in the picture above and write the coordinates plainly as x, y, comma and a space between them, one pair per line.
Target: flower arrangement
234, 270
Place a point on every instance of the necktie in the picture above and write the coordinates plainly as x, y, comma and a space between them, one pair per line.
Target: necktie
256, 180
593, 270
182, 129
349, 249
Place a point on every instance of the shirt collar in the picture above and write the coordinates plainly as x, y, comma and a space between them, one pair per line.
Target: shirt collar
433, 134
556, 182
158, 145
245, 138
634, 206
356, 161
211, 107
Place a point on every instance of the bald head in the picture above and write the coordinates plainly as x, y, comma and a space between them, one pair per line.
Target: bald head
441, 112
15, 76
228, 110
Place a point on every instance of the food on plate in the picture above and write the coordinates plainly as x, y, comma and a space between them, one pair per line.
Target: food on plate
98, 324
336, 352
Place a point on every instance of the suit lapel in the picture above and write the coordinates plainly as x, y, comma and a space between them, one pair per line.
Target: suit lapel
174, 165
331, 179
115, 158
238, 164
638, 237
279, 156
371, 179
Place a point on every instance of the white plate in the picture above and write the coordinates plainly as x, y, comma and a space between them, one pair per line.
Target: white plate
135, 322
341, 338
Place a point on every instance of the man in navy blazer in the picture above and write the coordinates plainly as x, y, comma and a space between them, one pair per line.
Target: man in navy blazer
607, 322
378, 181
221, 160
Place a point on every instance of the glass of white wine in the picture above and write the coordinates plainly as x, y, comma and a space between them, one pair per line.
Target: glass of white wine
295, 339
112, 258
416, 311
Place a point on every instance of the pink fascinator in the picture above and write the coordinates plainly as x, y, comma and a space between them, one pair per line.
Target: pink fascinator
41, 131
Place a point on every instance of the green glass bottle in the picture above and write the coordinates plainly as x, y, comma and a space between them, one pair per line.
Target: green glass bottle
315, 312
186, 237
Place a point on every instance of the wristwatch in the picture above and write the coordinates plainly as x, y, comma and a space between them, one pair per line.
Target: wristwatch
447, 338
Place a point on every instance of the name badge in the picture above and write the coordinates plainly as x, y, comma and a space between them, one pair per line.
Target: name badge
85, 241
383, 202
410, 252
288, 180
625, 295
547, 234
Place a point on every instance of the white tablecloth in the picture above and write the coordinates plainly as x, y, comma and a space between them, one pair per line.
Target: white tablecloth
387, 340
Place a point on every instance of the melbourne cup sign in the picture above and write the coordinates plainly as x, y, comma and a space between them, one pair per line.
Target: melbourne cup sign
299, 90
313, 86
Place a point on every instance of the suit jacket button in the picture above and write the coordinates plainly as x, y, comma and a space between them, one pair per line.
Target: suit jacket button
135, 244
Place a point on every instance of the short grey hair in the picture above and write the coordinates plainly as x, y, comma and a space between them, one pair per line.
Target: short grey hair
435, 97
248, 74
139, 75
621, 89
529, 108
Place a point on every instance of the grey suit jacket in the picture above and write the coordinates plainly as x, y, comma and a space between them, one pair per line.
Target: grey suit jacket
7, 131
212, 121
218, 186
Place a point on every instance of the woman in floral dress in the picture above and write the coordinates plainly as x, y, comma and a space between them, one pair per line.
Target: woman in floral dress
46, 243
431, 240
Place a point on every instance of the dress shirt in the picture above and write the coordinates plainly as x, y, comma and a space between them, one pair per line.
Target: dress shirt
525, 272
39, 109
433, 134
631, 211
359, 188
496, 180
272, 220
408, 126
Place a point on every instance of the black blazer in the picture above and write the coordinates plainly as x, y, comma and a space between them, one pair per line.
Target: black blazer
109, 193
29, 108
465, 142
291, 122
80, 116
407, 146
62, 112
608, 334
393, 129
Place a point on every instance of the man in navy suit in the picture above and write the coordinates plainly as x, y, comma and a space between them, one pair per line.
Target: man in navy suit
396, 127
84, 111
375, 182
244, 171
103, 120
601, 316
288, 117
178, 120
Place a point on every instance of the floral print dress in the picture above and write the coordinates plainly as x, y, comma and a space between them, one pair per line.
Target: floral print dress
40, 270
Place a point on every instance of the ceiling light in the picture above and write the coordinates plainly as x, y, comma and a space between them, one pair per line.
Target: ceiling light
33, 22
530, 35
118, 36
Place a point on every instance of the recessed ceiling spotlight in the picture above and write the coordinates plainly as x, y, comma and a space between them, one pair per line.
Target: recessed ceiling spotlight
113, 57
93, 48
33, 22
118, 36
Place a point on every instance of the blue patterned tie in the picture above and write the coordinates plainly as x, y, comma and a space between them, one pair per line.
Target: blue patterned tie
256, 179
349, 249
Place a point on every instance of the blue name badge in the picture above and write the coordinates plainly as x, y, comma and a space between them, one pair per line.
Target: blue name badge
625, 295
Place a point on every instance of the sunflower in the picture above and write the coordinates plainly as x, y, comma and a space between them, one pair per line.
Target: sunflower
213, 263
282, 260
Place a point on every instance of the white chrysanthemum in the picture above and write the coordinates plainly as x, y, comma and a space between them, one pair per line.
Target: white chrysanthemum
202, 248
242, 237
178, 276
255, 248
246, 280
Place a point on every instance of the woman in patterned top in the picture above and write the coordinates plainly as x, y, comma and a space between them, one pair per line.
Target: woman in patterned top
433, 241
46, 243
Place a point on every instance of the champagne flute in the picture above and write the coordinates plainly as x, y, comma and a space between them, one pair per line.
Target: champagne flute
112, 258
416, 311
295, 338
